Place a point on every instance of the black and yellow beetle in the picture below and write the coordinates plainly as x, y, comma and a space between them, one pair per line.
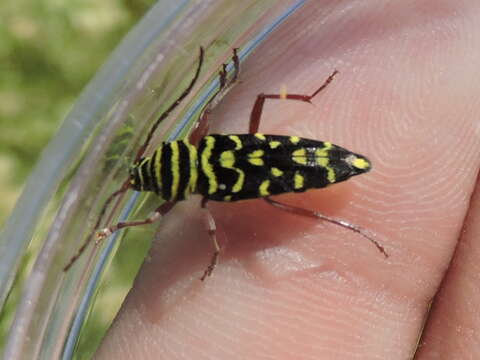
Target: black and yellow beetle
235, 167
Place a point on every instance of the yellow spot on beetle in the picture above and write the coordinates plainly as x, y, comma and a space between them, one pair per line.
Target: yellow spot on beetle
260, 136
298, 181
227, 198
255, 158
300, 156
274, 144
331, 175
294, 139
256, 153
263, 189
360, 163
323, 161
276, 172
323, 152
227, 159
256, 161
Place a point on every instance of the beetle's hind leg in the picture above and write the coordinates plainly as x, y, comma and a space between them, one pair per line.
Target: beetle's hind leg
316, 215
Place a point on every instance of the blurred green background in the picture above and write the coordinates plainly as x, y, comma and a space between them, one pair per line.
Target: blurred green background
49, 50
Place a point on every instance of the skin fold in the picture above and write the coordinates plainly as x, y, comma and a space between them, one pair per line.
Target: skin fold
288, 287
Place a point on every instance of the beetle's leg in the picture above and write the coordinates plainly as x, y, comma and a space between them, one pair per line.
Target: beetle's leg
167, 112
225, 84
156, 215
316, 215
257, 109
125, 186
212, 230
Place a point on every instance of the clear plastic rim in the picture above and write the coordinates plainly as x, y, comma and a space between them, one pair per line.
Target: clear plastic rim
104, 104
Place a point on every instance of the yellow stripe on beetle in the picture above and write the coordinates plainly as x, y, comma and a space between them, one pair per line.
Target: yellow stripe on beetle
207, 168
193, 169
227, 160
237, 141
175, 168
